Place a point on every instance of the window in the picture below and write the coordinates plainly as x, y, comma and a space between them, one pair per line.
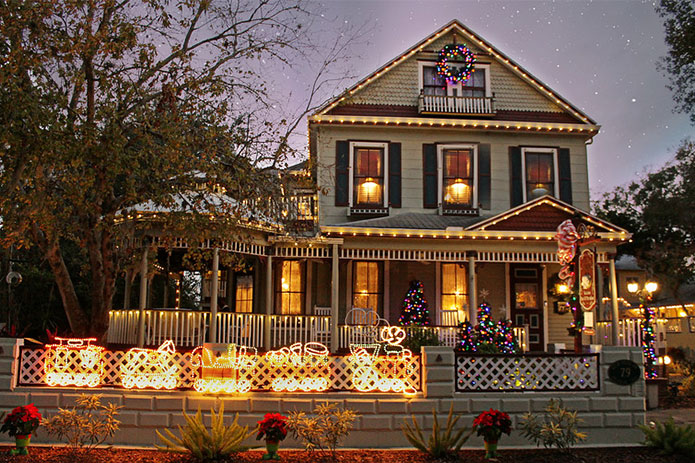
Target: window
366, 286
457, 183
454, 287
291, 288
243, 297
457, 176
477, 85
369, 185
540, 172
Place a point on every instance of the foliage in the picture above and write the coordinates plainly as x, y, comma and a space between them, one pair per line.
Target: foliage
22, 421
558, 428
219, 442
418, 337
323, 431
487, 337
656, 210
273, 427
669, 438
109, 108
414, 310
444, 441
86, 425
679, 64
492, 424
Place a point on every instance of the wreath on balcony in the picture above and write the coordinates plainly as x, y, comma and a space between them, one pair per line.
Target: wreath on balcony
455, 63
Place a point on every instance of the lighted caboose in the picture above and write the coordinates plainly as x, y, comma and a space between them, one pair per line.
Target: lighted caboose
74, 362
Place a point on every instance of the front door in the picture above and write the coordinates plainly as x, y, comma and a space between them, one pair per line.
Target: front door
527, 302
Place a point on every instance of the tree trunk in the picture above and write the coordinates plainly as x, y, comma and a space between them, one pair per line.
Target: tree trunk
79, 324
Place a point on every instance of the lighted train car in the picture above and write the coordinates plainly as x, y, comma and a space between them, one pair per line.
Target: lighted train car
224, 370
74, 362
143, 368
300, 367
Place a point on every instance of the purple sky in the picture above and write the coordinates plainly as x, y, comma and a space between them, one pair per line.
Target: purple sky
600, 55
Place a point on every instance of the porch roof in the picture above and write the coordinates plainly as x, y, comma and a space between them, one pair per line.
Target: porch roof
415, 221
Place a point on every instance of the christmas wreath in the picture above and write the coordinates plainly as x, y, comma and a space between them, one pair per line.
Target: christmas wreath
462, 57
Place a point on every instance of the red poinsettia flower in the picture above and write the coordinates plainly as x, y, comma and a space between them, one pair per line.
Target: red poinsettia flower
272, 427
22, 421
492, 424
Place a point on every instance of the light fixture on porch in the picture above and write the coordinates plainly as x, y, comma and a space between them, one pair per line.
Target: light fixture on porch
562, 288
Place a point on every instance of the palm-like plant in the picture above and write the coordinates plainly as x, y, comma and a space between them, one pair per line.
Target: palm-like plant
443, 441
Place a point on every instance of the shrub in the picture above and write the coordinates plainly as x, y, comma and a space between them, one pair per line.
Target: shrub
688, 386
323, 431
558, 428
87, 425
220, 442
418, 337
669, 438
443, 442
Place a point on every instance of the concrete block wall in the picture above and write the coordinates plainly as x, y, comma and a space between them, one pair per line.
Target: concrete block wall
614, 408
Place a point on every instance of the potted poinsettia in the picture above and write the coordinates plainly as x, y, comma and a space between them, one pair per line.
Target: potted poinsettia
491, 425
20, 423
273, 427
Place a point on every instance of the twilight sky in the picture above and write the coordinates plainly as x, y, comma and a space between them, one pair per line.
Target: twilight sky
600, 55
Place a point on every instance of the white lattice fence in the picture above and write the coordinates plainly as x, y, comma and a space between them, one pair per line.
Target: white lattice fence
339, 370
527, 373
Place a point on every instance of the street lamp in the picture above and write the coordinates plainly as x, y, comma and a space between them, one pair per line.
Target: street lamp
645, 294
648, 335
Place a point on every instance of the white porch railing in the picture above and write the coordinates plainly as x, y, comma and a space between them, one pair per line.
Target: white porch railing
189, 328
455, 105
630, 332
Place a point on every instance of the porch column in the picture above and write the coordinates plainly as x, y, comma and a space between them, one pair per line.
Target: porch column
472, 295
142, 303
127, 289
334, 298
268, 302
615, 314
214, 289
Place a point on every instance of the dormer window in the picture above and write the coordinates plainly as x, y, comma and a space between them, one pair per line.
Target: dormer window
438, 96
540, 172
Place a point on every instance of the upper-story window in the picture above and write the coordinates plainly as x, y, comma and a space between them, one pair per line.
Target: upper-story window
368, 183
477, 85
540, 172
457, 176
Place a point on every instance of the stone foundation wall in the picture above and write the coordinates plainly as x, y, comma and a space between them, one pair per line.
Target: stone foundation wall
609, 415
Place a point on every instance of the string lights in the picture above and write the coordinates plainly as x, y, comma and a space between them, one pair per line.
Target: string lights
305, 367
462, 57
648, 342
153, 368
74, 362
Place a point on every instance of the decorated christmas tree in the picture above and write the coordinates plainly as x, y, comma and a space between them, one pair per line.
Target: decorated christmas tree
414, 311
486, 336
485, 327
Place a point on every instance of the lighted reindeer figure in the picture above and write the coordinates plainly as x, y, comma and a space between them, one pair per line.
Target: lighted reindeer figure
142, 368
311, 357
74, 362
227, 372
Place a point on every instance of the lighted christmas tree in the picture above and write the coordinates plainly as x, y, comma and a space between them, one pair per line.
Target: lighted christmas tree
487, 336
485, 327
414, 311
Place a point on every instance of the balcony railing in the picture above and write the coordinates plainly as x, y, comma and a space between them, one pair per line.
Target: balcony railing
461, 105
189, 328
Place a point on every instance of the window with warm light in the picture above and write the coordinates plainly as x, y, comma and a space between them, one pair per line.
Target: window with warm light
290, 296
366, 286
369, 177
454, 287
540, 172
457, 180
243, 296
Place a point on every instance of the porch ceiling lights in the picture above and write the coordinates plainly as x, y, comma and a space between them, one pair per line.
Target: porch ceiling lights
502, 59
458, 123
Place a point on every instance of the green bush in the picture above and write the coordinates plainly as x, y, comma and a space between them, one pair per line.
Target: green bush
557, 428
443, 442
670, 439
87, 425
323, 431
418, 337
218, 443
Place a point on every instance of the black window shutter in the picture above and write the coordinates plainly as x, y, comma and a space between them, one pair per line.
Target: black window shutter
484, 175
565, 173
429, 176
342, 176
395, 174
516, 186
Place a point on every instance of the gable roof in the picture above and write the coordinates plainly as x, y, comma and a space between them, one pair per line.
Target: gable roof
458, 27
543, 214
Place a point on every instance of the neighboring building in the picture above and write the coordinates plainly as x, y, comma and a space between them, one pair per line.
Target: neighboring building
460, 186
